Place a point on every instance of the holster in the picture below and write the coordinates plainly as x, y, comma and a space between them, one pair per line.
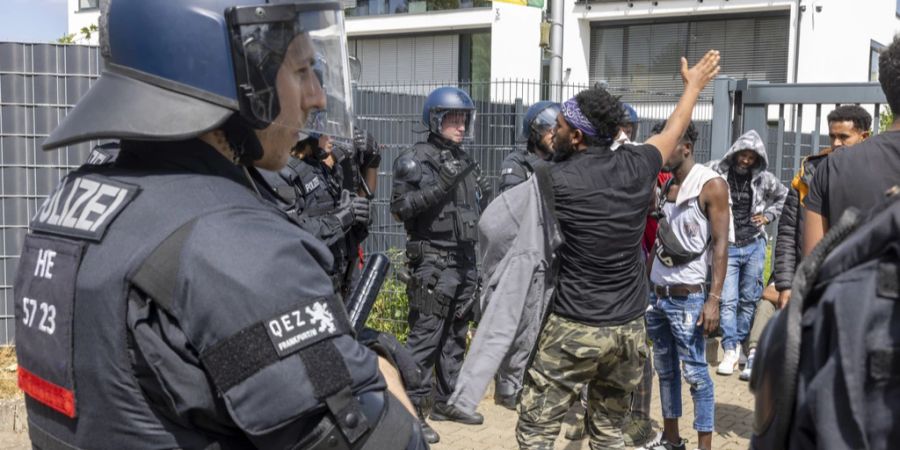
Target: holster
426, 300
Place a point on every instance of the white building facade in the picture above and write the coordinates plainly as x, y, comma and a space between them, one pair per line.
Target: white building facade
627, 43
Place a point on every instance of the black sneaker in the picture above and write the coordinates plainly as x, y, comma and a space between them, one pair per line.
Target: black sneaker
663, 444
443, 411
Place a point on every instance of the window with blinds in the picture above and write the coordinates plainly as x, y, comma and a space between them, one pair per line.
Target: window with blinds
433, 58
646, 56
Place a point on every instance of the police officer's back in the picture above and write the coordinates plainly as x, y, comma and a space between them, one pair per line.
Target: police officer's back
438, 196
164, 302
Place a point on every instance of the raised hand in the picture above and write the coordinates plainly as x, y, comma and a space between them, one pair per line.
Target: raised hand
702, 73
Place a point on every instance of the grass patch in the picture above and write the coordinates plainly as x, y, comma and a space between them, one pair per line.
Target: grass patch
8, 386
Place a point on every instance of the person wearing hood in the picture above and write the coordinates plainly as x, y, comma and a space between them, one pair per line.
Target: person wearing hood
757, 199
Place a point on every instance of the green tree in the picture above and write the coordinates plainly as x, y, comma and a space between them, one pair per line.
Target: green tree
83, 36
886, 119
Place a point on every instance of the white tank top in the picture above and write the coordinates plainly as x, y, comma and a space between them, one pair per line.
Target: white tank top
692, 229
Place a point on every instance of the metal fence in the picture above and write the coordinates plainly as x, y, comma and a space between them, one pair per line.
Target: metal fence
393, 114
39, 83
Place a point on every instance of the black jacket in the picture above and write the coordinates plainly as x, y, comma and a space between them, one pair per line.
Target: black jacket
788, 244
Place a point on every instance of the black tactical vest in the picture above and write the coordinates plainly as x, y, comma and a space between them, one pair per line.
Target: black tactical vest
456, 218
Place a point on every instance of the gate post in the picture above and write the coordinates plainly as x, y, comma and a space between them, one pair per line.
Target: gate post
723, 86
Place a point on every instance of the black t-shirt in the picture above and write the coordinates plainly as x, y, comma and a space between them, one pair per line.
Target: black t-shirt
856, 177
741, 188
602, 201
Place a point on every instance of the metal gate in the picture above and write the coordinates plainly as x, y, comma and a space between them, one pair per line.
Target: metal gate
789, 117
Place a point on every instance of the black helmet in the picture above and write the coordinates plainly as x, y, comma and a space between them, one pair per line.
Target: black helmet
443, 100
178, 68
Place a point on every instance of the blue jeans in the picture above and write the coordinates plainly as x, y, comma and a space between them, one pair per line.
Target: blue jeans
743, 288
677, 341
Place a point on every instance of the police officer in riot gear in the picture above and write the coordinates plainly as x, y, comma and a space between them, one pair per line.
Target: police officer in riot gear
163, 301
311, 187
536, 131
438, 194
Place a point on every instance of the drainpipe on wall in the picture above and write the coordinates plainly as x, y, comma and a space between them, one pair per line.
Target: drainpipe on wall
556, 46
797, 41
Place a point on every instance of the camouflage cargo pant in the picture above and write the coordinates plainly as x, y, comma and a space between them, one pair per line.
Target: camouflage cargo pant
610, 360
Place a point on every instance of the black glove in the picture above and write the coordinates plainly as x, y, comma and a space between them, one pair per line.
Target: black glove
451, 171
366, 148
345, 212
360, 207
396, 353
484, 185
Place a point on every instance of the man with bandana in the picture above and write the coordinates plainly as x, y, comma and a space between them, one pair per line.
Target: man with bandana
595, 335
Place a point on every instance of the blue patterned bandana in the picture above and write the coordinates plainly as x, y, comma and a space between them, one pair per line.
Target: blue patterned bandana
572, 113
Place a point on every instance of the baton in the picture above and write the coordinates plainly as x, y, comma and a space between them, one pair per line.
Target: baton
366, 291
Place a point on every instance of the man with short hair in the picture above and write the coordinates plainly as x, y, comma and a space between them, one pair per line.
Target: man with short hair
438, 194
859, 177
692, 241
848, 125
596, 333
756, 198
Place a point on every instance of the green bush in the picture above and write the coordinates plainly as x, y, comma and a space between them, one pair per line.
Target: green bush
887, 118
392, 306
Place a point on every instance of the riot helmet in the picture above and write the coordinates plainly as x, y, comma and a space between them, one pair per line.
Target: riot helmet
629, 123
176, 69
444, 100
539, 119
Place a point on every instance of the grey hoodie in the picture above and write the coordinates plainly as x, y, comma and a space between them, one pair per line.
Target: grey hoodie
768, 192
518, 236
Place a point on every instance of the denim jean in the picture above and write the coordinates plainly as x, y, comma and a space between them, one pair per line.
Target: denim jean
743, 288
678, 341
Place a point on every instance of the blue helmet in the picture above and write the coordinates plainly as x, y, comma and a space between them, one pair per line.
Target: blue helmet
539, 119
630, 114
443, 100
178, 68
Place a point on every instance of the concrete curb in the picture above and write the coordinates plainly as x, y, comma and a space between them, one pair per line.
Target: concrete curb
13, 418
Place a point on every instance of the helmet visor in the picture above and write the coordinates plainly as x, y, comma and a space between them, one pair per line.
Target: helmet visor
307, 40
450, 120
545, 120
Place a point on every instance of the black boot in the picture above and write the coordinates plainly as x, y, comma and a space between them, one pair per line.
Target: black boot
431, 436
443, 411
506, 401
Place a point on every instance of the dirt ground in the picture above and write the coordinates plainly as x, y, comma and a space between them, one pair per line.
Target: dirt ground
8, 387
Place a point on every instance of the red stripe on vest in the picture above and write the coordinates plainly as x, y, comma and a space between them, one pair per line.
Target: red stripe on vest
52, 395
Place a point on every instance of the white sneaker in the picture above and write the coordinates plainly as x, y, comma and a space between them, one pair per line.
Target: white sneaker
729, 362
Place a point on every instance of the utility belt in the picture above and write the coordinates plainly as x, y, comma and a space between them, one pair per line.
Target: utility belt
678, 290
419, 251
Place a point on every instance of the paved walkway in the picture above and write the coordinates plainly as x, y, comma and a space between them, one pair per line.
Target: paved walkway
734, 422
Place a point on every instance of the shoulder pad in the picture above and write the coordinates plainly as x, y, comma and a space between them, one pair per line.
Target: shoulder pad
426, 152
406, 168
